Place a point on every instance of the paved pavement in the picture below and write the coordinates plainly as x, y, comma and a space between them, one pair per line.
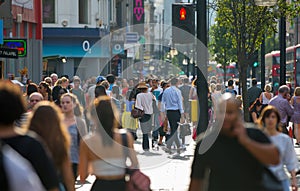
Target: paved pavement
167, 172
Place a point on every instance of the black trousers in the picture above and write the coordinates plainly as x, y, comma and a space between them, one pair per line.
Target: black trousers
174, 118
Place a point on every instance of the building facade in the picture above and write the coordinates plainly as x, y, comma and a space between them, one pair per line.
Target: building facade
73, 30
22, 30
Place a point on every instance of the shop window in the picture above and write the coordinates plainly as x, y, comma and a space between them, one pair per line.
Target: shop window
48, 11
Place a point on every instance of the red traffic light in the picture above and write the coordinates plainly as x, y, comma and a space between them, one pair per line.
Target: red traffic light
182, 14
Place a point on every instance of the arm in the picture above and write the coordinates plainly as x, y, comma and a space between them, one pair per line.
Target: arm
266, 153
138, 103
132, 154
254, 117
260, 97
289, 108
294, 183
195, 185
67, 175
83, 164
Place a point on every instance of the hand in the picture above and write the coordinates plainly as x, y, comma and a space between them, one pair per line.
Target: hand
182, 120
240, 132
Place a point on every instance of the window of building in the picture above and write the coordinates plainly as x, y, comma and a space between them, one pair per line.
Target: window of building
83, 8
48, 11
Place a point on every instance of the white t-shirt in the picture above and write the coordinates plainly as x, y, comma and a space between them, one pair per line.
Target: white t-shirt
144, 102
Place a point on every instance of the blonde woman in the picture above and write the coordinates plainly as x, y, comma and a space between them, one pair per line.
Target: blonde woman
56, 138
266, 96
295, 101
72, 111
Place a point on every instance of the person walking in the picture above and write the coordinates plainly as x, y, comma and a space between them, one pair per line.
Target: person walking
28, 145
295, 102
76, 90
72, 111
266, 96
283, 105
144, 102
103, 150
269, 122
236, 149
172, 99
50, 131
253, 92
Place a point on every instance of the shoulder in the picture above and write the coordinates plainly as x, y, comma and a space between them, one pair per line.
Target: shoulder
257, 135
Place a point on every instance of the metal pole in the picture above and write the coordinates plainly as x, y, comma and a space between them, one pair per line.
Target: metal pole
202, 86
297, 30
282, 41
262, 65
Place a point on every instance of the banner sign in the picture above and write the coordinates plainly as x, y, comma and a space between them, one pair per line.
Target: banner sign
138, 15
8, 53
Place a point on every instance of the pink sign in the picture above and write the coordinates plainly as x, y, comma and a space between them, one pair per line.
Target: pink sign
138, 10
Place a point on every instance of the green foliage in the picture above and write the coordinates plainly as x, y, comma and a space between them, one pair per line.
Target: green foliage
245, 24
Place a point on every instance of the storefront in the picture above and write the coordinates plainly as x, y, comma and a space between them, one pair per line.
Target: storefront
75, 51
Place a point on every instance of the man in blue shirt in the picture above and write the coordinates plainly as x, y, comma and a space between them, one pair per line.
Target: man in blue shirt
172, 99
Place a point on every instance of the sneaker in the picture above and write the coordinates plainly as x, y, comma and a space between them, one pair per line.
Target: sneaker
161, 144
167, 150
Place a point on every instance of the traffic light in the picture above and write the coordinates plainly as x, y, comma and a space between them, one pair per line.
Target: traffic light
183, 23
255, 62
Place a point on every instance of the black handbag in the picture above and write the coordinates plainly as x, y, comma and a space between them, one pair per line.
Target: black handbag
137, 113
270, 182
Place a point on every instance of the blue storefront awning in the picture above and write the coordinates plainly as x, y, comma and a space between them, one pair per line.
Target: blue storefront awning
74, 45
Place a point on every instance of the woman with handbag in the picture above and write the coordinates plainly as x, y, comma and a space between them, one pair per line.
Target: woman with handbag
269, 121
144, 101
103, 151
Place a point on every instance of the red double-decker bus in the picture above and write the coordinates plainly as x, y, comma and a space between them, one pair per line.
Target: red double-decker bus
272, 63
292, 66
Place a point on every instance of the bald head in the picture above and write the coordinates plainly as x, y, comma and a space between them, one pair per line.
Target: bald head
34, 98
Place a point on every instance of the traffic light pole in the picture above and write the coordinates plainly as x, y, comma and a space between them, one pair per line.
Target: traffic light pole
262, 65
201, 48
282, 41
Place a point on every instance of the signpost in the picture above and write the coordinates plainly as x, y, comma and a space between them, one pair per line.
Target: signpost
8, 53
132, 37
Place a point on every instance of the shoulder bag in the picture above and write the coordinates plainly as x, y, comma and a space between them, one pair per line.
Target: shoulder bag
137, 113
136, 181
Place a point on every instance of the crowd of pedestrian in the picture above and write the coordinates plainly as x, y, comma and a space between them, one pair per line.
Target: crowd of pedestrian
75, 127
